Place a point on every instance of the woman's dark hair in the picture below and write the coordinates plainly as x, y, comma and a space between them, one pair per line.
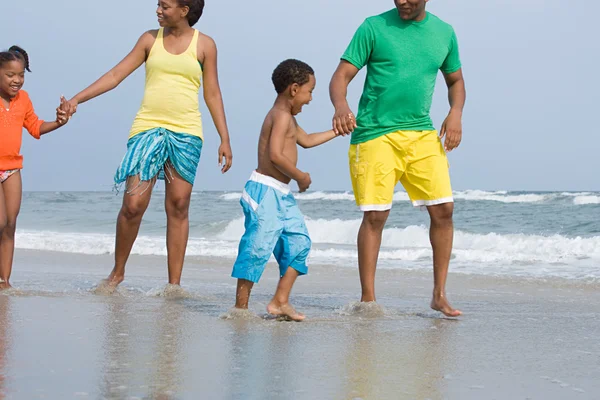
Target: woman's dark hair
15, 53
196, 7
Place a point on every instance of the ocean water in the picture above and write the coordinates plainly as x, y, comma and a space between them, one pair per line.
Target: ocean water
534, 235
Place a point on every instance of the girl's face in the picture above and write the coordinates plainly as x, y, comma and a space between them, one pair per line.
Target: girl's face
170, 13
12, 78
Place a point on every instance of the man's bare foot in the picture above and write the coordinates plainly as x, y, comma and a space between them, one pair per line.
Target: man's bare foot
4, 284
284, 310
439, 303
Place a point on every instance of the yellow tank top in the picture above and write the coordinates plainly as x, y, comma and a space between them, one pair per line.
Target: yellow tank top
171, 93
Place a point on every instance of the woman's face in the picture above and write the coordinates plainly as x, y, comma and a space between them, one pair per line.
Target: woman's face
170, 13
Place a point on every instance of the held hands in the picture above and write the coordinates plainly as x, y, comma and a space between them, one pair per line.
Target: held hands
225, 156
344, 121
70, 107
62, 116
452, 129
304, 182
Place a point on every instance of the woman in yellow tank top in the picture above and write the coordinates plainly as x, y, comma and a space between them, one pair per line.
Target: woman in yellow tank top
166, 138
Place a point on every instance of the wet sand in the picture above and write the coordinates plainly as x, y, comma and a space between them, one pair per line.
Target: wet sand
518, 339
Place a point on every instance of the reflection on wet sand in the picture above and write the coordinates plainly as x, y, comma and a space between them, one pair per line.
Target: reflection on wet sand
165, 381
4, 342
116, 371
385, 363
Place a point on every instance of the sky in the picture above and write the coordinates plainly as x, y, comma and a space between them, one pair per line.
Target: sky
530, 69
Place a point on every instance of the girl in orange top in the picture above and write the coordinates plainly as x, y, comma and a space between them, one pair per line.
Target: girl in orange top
16, 113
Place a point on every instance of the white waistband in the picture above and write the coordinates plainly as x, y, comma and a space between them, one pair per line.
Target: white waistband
270, 181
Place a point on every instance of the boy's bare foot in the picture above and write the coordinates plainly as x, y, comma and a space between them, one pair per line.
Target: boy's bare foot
439, 303
284, 310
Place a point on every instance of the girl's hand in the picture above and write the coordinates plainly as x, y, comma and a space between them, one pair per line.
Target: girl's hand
70, 107
62, 116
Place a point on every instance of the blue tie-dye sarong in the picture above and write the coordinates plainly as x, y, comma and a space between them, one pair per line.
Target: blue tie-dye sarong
148, 153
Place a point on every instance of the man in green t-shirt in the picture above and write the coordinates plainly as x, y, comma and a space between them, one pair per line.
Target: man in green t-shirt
393, 137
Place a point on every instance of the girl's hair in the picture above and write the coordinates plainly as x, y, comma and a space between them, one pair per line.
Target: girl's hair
15, 53
196, 7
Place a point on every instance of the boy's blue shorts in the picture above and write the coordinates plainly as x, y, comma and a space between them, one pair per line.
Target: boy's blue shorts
274, 225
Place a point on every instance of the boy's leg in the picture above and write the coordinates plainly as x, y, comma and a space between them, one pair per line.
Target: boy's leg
177, 205
280, 304
12, 192
291, 253
242, 295
135, 203
257, 242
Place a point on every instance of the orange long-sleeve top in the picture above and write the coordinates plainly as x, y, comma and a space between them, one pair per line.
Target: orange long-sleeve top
20, 114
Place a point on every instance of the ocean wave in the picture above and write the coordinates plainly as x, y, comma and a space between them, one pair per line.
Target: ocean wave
501, 196
586, 199
231, 196
334, 241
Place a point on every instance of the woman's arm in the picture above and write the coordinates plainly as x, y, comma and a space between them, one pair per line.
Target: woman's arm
214, 99
115, 76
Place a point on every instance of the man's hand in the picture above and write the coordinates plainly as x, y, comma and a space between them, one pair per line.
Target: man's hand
344, 121
304, 182
225, 153
452, 129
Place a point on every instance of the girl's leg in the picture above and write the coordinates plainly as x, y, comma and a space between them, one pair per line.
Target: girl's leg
10, 205
135, 202
3, 222
177, 205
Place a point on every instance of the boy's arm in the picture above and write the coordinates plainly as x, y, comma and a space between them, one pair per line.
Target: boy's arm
307, 141
281, 124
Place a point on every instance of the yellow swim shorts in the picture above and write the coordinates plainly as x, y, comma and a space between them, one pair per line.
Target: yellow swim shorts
417, 159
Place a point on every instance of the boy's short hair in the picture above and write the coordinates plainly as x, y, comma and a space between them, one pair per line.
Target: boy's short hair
289, 72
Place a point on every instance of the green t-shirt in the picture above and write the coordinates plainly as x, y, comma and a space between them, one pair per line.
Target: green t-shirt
403, 59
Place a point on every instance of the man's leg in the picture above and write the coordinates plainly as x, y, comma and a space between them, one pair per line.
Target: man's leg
369, 243
441, 233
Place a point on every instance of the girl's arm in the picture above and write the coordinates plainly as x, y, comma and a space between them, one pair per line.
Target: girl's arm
37, 127
115, 76
214, 99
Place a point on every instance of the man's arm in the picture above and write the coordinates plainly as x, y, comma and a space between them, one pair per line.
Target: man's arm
307, 141
344, 120
452, 126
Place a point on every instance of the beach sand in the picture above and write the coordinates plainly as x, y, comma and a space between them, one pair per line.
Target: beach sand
518, 339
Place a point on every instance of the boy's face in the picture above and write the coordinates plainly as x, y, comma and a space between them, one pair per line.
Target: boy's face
302, 94
12, 78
